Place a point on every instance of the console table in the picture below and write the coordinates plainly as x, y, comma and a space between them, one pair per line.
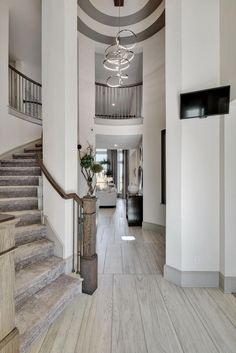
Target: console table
134, 209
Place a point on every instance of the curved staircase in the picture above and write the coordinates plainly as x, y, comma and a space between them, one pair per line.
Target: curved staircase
42, 288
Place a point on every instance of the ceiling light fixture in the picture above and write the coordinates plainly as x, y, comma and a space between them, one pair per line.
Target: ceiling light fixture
117, 57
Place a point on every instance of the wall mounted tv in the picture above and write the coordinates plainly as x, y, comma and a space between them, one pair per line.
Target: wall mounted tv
201, 104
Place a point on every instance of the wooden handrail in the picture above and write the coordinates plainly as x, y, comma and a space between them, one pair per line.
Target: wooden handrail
56, 186
24, 76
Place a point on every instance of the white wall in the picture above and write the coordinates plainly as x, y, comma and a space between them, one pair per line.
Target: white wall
228, 138
228, 47
25, 36
192, 53
86, 48
59, 69
14, 132
154, 122
228, 259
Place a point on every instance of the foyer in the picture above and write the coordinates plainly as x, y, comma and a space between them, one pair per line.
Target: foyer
134, 309
117, 199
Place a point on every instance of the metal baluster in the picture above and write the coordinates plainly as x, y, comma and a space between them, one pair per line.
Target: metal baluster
9, 97
73, 245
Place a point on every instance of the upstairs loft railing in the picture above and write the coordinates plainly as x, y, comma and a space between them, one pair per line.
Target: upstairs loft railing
118, 103
25, 94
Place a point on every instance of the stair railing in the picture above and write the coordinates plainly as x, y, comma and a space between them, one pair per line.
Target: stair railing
25, 94
84, 233
123, 102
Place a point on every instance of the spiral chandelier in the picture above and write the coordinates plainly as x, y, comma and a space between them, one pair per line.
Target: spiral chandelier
118, 56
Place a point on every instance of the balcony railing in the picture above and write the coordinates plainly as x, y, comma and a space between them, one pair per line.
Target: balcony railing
118, 103
25, 94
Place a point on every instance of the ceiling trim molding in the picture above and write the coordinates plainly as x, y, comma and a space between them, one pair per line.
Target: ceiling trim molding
141, 36
113, 21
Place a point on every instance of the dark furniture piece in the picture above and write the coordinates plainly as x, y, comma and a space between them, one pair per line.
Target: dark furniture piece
134, 209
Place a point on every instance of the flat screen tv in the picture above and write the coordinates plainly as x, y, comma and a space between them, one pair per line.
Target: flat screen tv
200, 104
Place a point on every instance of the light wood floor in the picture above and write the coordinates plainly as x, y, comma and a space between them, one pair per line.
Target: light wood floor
134, 309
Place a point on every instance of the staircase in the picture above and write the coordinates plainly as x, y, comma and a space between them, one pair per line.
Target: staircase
43, 289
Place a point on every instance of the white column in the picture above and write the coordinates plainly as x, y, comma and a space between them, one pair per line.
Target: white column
153, 123
59, 79
228, 149
192, 63
86, 97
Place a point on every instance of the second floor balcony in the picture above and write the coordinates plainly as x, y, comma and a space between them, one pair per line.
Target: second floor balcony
120, 103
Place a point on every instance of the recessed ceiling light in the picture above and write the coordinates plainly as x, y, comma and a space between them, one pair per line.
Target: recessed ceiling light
128, 237
116, 145
113, 104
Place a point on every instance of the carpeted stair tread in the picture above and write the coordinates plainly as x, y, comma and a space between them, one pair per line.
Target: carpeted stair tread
19, 163
18, 191
33, 149
26, 217
18, 203
24, 155
15, 171
30, 253
36, 315
33, 278
30, 233
19, 180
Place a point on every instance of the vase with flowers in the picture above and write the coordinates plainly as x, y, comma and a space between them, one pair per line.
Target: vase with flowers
89, 167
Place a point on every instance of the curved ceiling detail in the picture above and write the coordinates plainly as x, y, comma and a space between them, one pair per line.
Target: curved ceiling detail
98, 26
113, 21
101, 38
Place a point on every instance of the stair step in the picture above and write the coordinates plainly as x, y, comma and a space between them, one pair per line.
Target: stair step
26, 217
38, 313
31, 279
31, 253
18, 191
19, 162
39, 145
24, 155
18, 180
18, 204
15, 171
33, 149
30, 233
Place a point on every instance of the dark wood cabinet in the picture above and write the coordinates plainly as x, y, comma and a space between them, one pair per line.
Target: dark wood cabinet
134, 209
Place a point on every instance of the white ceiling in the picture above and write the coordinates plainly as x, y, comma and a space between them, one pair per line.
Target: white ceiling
25, 31
126, 142
130, 6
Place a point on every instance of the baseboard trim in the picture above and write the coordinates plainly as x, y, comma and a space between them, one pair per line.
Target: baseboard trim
154, 227
8, 154
227, 284
208, 279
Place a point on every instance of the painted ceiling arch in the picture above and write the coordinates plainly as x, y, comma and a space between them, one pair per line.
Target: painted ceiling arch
97, 25
113, 21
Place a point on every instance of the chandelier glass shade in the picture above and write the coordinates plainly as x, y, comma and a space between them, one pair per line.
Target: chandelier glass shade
118, 56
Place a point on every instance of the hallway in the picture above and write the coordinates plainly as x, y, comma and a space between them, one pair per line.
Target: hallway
134, 309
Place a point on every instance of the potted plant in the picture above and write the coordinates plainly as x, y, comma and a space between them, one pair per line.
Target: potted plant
89, 168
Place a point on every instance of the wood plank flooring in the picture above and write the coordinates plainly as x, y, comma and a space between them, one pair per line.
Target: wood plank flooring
134, 309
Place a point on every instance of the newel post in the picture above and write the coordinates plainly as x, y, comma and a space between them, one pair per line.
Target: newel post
89, 260
9, 335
